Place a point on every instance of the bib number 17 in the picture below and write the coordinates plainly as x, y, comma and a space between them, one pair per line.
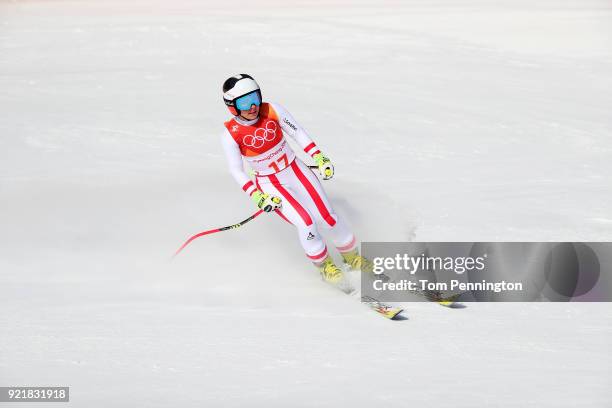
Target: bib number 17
281, 160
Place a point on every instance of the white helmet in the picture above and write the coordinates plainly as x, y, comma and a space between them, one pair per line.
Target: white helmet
237, 86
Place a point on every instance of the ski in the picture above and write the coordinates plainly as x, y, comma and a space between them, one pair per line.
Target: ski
447, 301
381, 308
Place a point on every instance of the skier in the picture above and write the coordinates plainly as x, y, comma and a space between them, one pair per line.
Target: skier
283, 183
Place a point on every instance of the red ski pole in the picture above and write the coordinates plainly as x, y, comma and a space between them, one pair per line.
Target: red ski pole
212, 231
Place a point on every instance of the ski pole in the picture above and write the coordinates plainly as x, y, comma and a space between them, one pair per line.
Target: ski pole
212, 231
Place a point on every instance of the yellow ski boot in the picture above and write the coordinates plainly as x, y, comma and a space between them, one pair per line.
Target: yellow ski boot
357, 262
329, 271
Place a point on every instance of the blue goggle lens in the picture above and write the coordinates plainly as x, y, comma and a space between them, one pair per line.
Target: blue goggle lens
245, 102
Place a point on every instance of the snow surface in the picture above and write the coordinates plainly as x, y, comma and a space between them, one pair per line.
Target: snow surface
465, 120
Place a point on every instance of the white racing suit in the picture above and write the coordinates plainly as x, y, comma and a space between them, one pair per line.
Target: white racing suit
279, 172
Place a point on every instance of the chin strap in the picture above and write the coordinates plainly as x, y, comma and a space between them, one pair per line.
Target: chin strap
245, 119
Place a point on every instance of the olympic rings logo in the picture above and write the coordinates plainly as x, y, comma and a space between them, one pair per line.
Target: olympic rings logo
261, 136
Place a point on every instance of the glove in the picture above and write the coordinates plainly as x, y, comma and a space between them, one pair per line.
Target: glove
266, 202
325, 167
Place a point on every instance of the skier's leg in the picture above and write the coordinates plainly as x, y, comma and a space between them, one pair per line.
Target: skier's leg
313, 196
295, 213
316, 201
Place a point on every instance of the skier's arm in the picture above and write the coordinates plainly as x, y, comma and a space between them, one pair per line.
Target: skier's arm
235, 164
293, 129
262, 200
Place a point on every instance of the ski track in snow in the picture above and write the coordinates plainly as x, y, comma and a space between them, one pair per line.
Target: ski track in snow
446, 121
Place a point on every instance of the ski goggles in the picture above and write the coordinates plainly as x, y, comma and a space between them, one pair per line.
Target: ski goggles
245, 102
